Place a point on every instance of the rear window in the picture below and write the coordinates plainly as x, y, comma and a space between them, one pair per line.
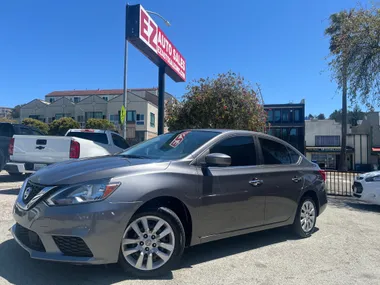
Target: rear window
6, 130
95, 137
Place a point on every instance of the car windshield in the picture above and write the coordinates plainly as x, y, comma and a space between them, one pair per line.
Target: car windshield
170, 146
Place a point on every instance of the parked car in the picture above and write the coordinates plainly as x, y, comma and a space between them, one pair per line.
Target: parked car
30, 153
7, 130
366, 187
143, 206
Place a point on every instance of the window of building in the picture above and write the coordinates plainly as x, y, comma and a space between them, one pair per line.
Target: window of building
59, 115
76, 99
285, 134
114, 118
51, 100
293, 137
327, 140
105, 98
119, 141
297, 115
277, 116
270, 116
93, 115
140, 119
80, 118
286, 118
241, 150
274, 152
131, 116
152, 120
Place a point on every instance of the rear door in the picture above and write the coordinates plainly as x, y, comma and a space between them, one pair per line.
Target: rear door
40, 149
282, 178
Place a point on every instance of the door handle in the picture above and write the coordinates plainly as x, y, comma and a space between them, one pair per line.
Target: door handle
296, 179
256, 182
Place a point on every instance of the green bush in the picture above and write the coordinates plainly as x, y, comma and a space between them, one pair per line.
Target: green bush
43, 127
61, 126
101, 124
6, 120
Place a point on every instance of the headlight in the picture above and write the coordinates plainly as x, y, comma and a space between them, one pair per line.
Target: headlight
82, 193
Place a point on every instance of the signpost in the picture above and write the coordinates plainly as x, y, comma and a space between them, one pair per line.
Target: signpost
144, 34
123, 115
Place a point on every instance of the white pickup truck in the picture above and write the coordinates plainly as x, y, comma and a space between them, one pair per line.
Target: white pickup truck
30, 153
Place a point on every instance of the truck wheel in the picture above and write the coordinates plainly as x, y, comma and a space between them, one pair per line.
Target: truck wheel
2, 160
152, 243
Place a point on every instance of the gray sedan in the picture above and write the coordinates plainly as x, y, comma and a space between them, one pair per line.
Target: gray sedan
142, 207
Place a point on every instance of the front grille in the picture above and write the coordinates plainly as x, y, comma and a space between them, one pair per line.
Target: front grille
29, 238
72, 246
30, 191
359, 187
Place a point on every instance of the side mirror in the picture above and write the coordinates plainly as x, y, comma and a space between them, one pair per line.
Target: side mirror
218, 159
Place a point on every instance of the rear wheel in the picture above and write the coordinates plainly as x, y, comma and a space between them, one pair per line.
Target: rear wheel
306, 218
152, 243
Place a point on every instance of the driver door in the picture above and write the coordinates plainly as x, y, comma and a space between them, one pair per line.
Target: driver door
229, 200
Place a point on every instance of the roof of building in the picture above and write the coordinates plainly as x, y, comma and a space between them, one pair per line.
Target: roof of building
94, 92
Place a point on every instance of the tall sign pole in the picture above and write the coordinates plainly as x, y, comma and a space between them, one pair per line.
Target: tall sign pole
125, 93
144, 34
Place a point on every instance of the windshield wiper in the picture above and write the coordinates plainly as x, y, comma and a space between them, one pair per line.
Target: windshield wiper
134, 156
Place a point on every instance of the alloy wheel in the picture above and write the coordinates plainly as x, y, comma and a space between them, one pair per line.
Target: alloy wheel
148, 243
307, 216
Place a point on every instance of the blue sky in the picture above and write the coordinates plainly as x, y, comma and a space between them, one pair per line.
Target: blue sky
50, 45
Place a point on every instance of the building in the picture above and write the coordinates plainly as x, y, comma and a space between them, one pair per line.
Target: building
370, 127
82, 105
287, 122
5, 112
323, 145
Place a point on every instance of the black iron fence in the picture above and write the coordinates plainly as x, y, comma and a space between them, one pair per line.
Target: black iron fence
340, 183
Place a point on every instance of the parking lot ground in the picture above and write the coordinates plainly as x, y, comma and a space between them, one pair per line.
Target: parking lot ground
345, 249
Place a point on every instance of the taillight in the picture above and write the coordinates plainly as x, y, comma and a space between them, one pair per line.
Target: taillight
323, 174
11, 146
74, 149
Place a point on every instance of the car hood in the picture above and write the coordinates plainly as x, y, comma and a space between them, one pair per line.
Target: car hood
77, 171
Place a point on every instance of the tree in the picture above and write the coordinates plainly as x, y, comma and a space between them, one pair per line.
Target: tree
16, 112
226, 102
352, 115
101, 124
310, 117
43, 127
355, 54
61, 126
321, 116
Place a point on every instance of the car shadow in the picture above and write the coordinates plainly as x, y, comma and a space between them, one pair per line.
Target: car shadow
18, 268
12, 178
352, 204
13, 191
235, 245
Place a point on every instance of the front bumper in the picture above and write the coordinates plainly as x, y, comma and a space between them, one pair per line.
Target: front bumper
82, 234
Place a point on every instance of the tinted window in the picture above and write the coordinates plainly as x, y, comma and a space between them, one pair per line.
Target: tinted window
274, 152
95, 137
277, 116
6, 130
25, 131
294, 156
170, 146
241, 149
119, 141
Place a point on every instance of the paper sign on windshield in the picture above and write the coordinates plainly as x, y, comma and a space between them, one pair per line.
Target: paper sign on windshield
178, 139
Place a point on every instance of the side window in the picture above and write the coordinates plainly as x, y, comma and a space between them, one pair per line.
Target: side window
241, 150
25, 131
119, 142
376, 178
274, 152
294, 156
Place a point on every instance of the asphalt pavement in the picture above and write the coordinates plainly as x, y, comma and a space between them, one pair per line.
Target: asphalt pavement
345, 249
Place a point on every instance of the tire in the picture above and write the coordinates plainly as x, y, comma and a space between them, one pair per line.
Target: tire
299, 227
2, 160
176, 237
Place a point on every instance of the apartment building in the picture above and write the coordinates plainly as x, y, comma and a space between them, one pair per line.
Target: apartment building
5, 112
81, 105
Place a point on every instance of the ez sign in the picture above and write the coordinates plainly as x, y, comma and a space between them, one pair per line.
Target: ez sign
148, 29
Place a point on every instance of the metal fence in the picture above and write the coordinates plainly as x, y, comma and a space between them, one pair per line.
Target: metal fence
340, 183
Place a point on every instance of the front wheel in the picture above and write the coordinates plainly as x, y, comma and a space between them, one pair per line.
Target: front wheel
152, 243
306, 218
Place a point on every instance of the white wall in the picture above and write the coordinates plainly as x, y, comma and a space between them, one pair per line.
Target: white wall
322, 128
